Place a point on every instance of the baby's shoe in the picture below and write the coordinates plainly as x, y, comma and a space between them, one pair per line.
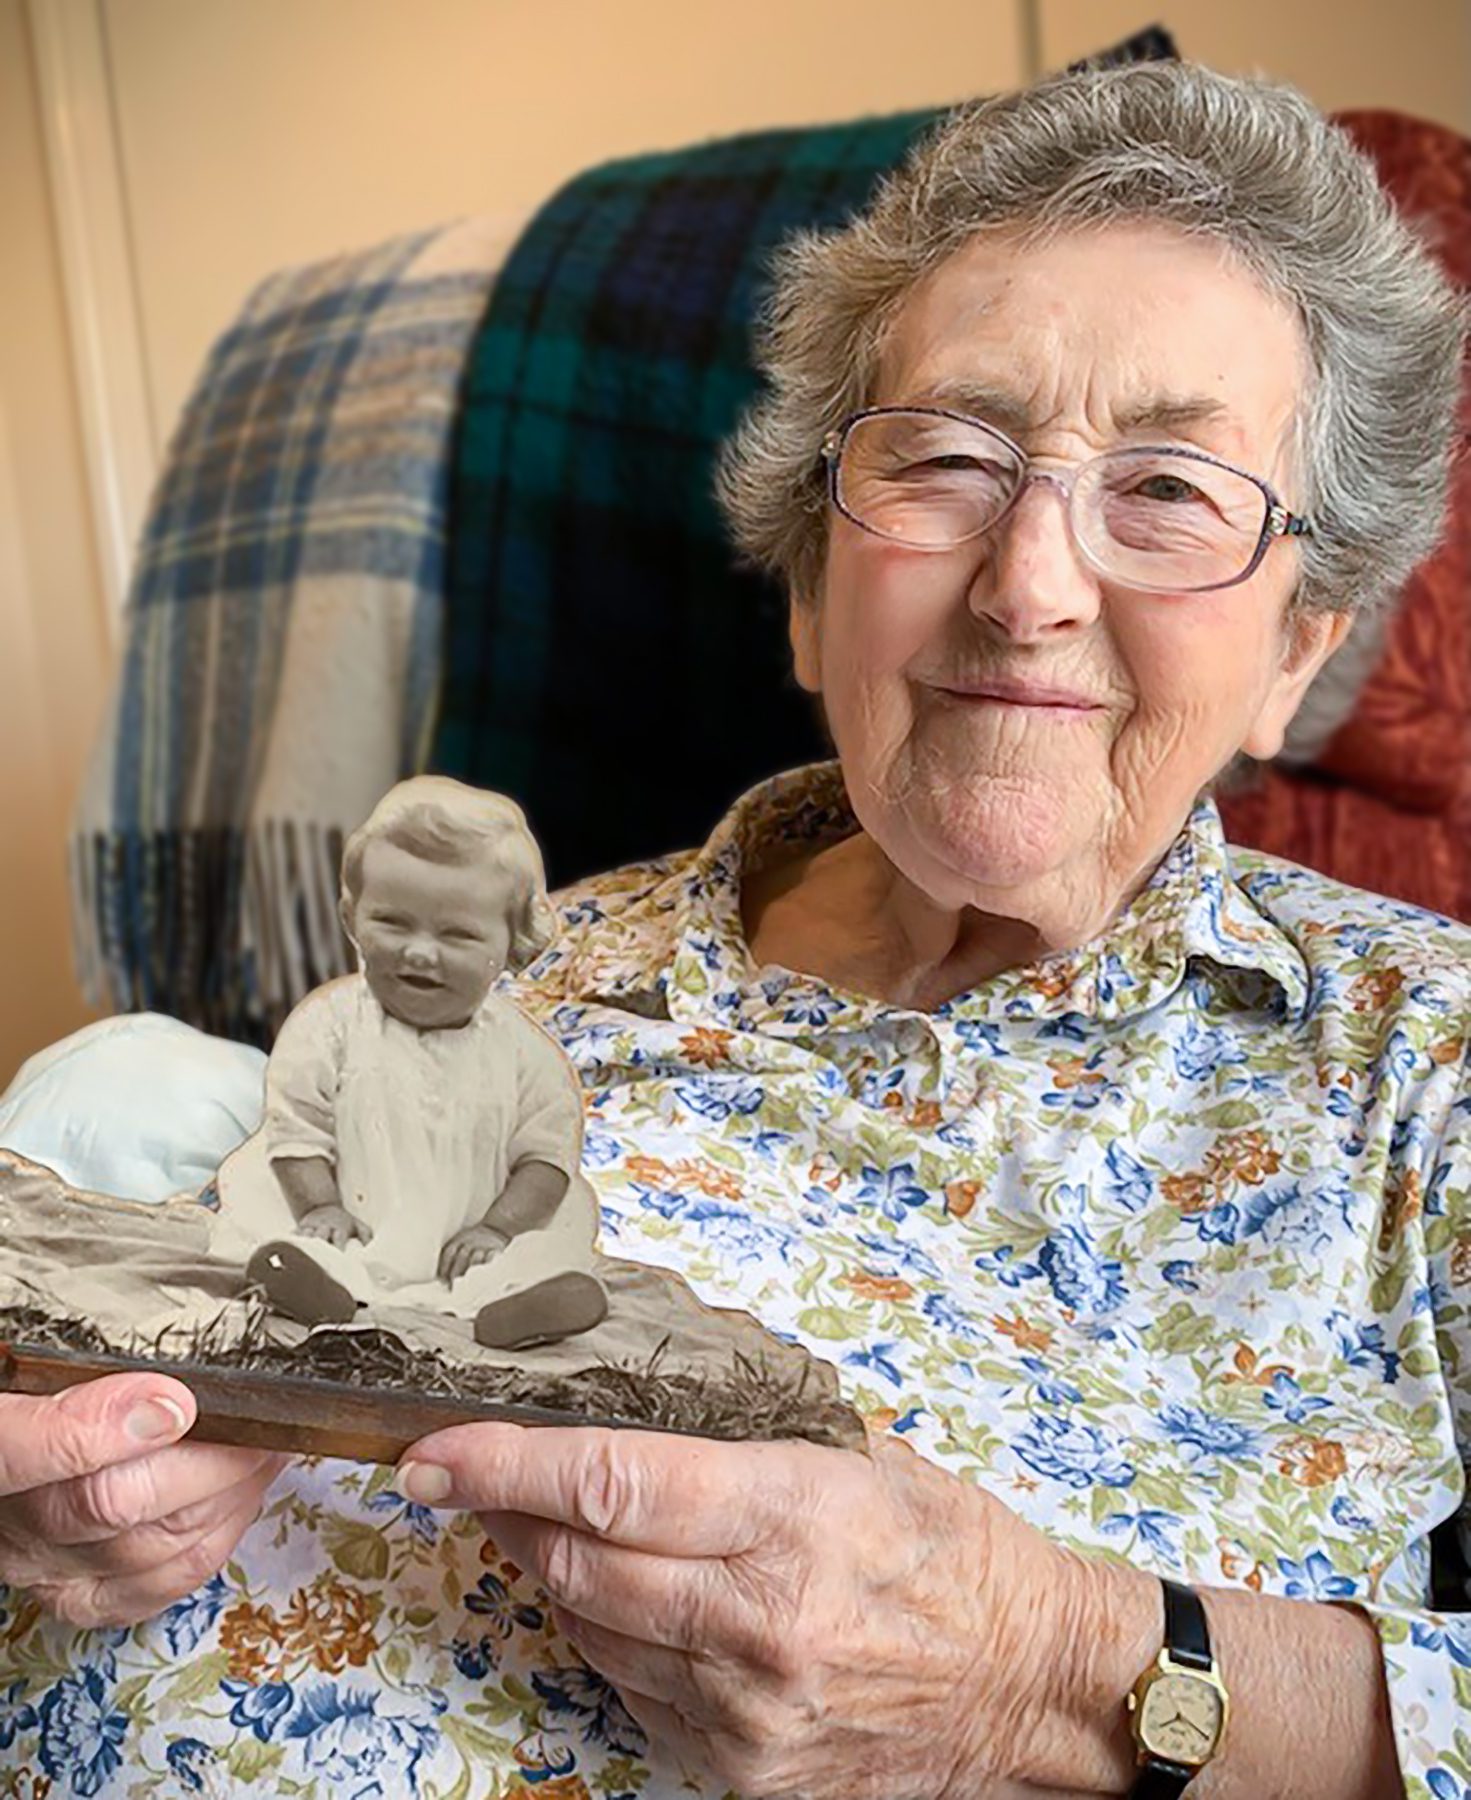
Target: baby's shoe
295, 1284
545, 1313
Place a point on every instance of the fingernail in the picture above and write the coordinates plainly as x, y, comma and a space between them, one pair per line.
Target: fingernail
156, 1418
424, 1482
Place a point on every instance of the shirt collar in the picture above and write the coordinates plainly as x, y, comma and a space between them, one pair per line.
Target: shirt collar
696, 964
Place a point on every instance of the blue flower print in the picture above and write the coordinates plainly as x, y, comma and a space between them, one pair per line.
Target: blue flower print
893, 1191
474, 1660
901, 1258
1286, 1396
1051, 1389
494, 1601
1155, 1528
1201, 1052
188, 1758
1361, 1345
1399, 1056
419, 1519
716, 1099
1343, 1104
361, 1753
16, 1713
79, 1733
1207, 1434
1445, 1786
1314, 1579
1181, 1275
1130, 1184
1451, 1634
941, 1310
1343, 1512
1010, 1274
190, 1619
1079, 1276
594, 1704
877, 1357
739, 1236
1218, 1224
1080, 1455
979, 1036
815, 1009
1071, 1027
259, 1709
599, 1148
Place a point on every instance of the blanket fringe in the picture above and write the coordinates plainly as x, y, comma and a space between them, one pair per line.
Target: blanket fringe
224, 929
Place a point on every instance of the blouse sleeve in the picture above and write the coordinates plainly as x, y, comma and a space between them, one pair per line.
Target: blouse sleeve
549, 1104
1427, 1654
301, 1081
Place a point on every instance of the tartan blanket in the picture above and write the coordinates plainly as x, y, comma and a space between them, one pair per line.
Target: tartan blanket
282, 637
607, 663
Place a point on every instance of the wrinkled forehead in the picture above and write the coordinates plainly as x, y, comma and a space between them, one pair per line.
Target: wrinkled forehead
1128, 333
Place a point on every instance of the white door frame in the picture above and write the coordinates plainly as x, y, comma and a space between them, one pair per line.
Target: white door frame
84, 157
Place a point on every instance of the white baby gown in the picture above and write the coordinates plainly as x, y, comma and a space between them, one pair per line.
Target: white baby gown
423, 1129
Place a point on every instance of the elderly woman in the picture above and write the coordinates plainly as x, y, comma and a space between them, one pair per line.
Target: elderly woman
1125, 1176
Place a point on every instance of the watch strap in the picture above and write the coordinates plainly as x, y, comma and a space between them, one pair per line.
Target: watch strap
1187, 1636
1187, 1642
1161, 1780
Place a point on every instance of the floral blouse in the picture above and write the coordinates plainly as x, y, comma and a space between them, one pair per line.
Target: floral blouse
1166, 1241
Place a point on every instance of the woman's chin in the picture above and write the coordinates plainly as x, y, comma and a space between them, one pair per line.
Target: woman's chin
1001, 835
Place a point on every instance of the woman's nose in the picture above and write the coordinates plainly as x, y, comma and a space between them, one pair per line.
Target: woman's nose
1033, 583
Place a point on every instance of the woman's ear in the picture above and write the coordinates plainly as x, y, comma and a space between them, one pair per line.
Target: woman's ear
804, 630
1309, 639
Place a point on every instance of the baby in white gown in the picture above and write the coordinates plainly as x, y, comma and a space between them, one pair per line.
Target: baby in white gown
422, 1138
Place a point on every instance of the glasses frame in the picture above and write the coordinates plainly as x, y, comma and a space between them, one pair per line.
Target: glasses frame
1279, 520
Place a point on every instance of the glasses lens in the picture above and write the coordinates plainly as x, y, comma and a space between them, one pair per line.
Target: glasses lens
924, 480
1167, 521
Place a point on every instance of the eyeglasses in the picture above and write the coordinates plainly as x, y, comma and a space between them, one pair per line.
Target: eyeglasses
1159, 520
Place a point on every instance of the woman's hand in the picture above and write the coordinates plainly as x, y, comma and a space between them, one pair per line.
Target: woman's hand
475, 1244
334, 1223
104, 1519
789, 1619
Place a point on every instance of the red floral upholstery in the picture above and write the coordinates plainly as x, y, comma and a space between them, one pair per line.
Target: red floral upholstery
1388, 805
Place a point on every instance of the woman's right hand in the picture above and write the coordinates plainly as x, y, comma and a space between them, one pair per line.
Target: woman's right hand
105, 1519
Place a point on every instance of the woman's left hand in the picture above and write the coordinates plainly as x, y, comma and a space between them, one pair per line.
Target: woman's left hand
790, 1619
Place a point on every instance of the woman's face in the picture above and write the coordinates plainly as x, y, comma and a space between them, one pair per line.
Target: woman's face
1116, 706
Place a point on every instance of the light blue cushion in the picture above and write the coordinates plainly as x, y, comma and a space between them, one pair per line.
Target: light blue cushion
140, 1106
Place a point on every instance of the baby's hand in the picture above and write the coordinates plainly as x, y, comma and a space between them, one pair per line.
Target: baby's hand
335, 1223
475, 1244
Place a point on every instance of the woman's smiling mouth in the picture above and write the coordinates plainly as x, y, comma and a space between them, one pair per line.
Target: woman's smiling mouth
999, 690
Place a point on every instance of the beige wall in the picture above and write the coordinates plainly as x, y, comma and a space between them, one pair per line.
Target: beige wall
256, 133
53, 641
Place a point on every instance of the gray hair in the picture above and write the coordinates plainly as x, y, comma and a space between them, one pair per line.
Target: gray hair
444, 821
1248, 162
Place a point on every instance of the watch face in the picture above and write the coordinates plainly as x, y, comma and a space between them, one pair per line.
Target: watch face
1181, 1718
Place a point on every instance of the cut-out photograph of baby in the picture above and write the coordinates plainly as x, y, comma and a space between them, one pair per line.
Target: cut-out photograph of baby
422, 1138
410, 1212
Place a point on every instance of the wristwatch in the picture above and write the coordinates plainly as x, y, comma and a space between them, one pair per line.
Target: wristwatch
1179, 1704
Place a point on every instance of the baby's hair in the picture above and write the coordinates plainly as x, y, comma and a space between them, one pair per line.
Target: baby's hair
446, 822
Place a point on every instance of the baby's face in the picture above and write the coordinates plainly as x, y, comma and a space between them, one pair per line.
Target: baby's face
433, 936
